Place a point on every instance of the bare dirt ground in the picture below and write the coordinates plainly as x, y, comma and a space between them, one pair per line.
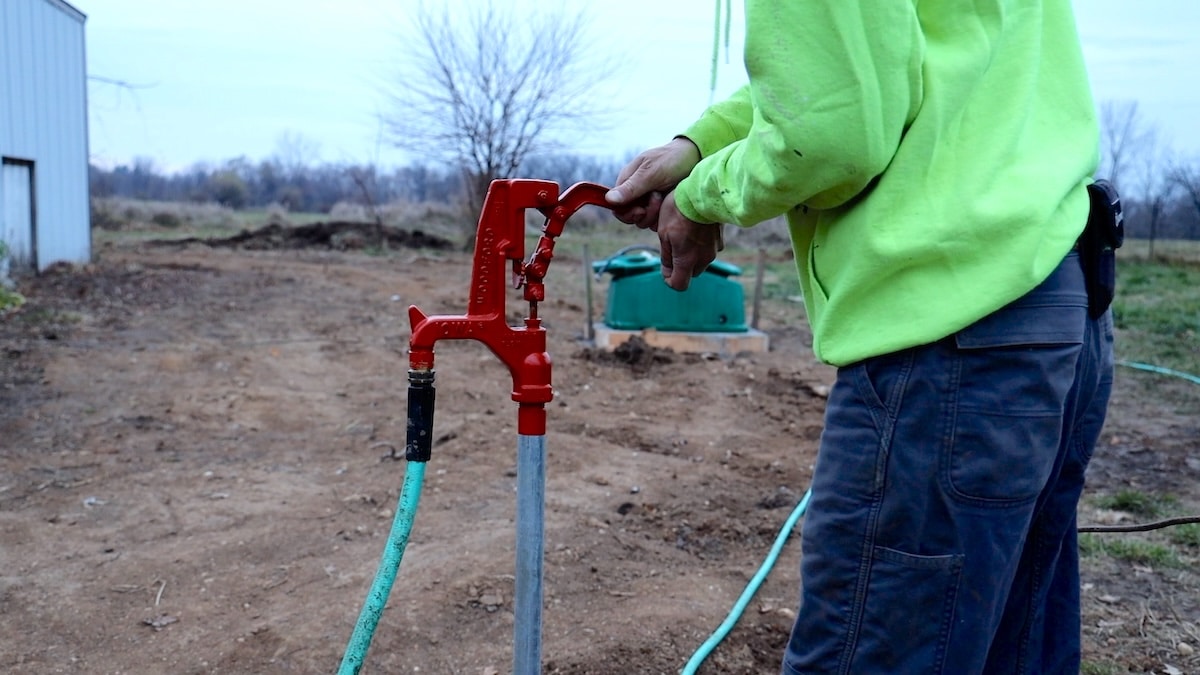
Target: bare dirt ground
194, 479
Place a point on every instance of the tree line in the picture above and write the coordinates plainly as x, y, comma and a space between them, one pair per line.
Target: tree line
1162, 199
241, 183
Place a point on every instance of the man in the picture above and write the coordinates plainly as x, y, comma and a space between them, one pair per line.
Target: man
933, 161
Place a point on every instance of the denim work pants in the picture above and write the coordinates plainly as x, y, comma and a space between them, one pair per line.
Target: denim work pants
941, 533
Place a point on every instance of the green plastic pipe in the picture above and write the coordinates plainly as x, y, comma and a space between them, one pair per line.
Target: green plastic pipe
385, 575
748, 594
1159, 370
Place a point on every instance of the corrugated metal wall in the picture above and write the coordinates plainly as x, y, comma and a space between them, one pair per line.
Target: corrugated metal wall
43, 120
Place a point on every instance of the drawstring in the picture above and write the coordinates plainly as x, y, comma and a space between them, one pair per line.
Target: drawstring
716, 53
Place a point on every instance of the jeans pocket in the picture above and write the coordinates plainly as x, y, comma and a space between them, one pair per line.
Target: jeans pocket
1014, 371
1007, 422
1003, 454
907, 612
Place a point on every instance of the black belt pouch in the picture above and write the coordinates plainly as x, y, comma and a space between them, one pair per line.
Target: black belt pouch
1103, 235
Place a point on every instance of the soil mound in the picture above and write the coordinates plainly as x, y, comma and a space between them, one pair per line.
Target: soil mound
635, 354
337, 235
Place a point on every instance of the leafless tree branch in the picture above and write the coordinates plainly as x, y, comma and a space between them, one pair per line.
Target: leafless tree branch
483, 87
364, 180
1141, 527
123, 84
1123, 133
1186, 177
1152, 172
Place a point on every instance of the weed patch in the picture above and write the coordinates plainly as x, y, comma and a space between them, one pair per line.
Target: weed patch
1143, 504
1130, 550
1185, 535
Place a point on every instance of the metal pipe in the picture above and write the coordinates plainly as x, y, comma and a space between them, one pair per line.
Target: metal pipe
589, 331
527, 594
758, 287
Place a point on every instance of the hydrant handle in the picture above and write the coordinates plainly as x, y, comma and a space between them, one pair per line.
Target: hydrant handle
574, 198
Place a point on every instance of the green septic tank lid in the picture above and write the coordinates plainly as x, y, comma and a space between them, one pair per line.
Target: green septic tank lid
624, 264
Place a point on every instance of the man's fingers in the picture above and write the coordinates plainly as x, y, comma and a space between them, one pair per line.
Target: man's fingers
676, 266
679, 280
633, 167
666, 257
657, 169
684, 245
631, 215
681, 275
643, 212
629, 188
649, 220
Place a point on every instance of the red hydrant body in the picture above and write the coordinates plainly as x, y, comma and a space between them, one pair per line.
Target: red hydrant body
500, 241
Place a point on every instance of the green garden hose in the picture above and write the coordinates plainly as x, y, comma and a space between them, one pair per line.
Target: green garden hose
736, 613
385, 575
1159, 370
417, 452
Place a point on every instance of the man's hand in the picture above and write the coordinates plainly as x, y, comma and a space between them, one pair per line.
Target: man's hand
637, 197
687, 246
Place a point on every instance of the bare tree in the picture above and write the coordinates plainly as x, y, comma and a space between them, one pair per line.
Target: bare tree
1122, 133
98, 106
483, 86
296, 152
366, 179
1186, 177
1155, 187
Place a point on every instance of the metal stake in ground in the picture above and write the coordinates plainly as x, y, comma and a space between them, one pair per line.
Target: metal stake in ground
531, 514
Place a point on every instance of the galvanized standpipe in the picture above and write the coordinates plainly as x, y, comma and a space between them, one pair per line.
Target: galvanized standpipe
531, 513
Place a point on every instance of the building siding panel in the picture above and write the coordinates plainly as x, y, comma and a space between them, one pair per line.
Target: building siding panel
43, 119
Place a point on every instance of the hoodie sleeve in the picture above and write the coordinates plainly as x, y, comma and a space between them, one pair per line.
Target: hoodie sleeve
832, 88
723, 123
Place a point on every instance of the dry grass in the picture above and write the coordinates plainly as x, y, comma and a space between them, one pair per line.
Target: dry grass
1173, 250
131, 214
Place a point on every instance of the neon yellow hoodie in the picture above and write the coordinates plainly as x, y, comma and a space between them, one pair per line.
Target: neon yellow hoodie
931, 157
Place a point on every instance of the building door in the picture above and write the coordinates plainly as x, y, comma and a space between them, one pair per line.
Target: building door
17, 219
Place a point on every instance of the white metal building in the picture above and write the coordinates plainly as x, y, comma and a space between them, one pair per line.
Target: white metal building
44, 215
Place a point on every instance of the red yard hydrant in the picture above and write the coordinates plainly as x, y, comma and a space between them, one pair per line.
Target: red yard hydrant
500, 242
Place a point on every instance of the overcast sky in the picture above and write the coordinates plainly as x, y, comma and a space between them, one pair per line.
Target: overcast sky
225, 78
